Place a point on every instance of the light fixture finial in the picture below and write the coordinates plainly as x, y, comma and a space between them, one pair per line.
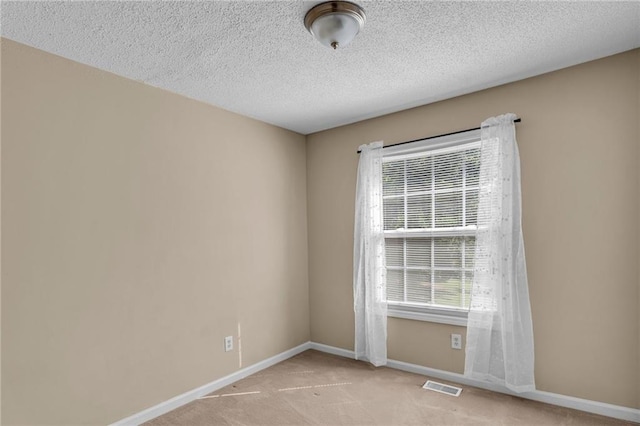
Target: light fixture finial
335, 23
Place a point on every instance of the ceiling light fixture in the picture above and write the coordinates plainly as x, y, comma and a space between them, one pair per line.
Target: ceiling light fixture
335, 23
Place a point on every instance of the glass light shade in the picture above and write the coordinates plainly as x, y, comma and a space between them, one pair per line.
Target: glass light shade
335, 23
335, 29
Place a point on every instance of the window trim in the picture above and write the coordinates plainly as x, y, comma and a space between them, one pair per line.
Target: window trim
450, 316
398, 152
428, 314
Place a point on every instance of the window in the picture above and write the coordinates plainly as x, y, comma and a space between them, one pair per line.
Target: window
430, 194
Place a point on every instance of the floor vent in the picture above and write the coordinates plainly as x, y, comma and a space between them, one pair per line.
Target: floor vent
439, 387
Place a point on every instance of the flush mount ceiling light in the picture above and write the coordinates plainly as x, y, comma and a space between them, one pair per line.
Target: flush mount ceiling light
335, 23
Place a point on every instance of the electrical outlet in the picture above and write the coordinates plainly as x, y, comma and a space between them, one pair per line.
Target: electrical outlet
228, 343
456, 341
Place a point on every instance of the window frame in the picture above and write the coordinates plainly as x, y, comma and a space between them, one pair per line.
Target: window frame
452, 142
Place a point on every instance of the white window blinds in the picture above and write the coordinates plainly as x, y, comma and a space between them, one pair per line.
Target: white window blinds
430, 207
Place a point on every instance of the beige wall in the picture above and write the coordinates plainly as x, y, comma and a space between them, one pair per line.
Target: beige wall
138, 229
638, 310
578, 140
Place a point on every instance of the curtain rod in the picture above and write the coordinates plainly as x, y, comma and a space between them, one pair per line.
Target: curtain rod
517, 120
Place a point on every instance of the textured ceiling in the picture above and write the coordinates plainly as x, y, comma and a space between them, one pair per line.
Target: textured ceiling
257, 59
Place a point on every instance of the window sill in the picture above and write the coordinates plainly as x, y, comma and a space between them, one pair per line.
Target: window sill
441, 318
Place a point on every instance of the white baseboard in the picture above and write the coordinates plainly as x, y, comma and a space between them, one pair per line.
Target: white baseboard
595, 407
345, 353
192, 395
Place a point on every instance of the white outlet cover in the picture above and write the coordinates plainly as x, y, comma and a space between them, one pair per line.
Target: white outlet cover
456, 341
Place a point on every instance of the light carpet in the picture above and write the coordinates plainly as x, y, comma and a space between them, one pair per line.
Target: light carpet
314, 388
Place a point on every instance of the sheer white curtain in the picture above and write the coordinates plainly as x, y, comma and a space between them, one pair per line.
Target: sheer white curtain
369, 273
499, 345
